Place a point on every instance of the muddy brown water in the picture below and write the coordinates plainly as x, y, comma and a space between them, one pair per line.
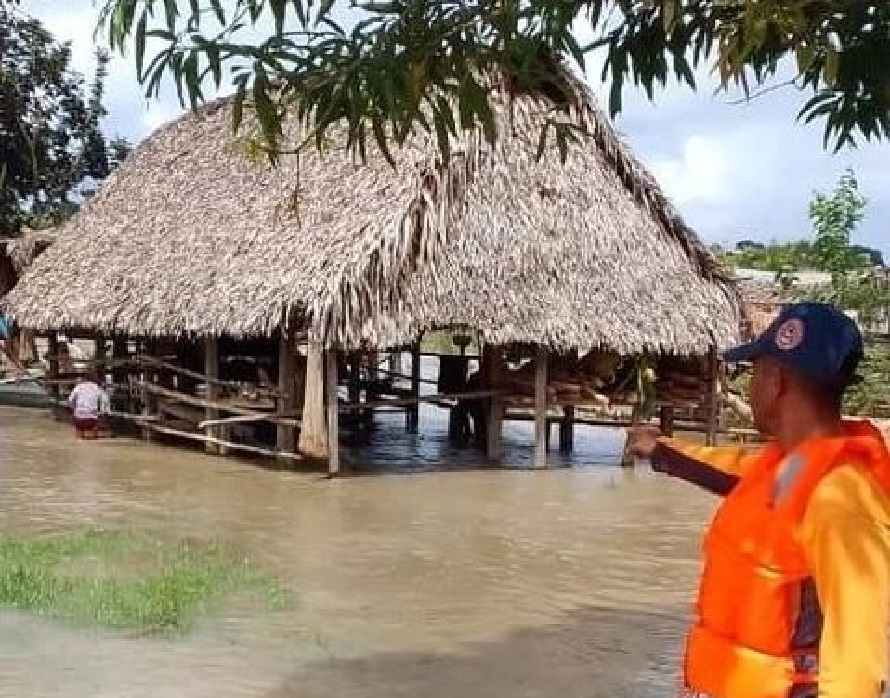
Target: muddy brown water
403, 580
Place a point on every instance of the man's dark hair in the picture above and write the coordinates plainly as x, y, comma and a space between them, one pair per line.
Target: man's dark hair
830, 396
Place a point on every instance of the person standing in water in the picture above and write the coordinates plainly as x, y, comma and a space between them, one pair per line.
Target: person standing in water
88, 402
793, 597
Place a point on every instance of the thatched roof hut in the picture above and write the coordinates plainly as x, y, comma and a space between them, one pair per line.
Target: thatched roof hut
191, 235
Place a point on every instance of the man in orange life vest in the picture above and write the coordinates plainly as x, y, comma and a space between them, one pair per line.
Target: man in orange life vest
793, 598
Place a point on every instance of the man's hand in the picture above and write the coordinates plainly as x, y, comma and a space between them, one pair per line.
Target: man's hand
641, 440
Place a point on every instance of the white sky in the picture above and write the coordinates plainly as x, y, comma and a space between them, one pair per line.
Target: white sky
735, 171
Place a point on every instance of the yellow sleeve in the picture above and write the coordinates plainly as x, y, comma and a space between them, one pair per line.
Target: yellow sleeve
845, 534
715, 468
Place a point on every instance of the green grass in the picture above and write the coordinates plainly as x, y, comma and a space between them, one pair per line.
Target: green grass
125, 581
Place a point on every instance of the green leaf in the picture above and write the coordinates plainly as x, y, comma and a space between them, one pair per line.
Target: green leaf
163, 34
669, 15
615, 96
443, 137
278, 8
192, 83
805, 56
157, 69
324, 9
380, 137
564, 136
447, 113
830, 69
382, 8
171, 12
684, 71
238, 103
542, 140
140, 45
213, 62
300, 11
265, 109
217, 7
574, 49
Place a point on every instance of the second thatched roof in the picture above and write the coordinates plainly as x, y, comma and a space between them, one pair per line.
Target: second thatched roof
191, 235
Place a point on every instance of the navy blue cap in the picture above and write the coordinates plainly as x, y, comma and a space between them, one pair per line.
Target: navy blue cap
815, 340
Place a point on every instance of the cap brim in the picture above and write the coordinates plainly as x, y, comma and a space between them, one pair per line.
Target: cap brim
744, 353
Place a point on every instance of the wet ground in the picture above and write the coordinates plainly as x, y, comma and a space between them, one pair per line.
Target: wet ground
404, 579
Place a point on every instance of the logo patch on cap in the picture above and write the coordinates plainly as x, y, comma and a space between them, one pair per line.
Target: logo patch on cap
790, 334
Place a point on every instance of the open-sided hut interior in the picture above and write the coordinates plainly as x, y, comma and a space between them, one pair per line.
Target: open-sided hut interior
193, 240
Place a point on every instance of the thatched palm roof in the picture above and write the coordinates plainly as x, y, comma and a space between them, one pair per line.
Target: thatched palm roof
192, 236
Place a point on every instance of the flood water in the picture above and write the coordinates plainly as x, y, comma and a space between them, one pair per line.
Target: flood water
403, 580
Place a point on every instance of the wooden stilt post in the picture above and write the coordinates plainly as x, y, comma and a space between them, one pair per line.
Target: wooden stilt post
99, 356
53, 371
147, 398
413, 415
666, 420
287, 383
353, 386
211, 371
373, 373
567, 429
541, 408
628, 460
313, 435
494, 378
299, 378
713, 397
333, 411
394, 361
118, 371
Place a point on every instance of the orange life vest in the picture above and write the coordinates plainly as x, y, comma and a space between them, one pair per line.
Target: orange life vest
743, 642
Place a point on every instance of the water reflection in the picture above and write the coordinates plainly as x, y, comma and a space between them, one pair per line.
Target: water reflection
479, 582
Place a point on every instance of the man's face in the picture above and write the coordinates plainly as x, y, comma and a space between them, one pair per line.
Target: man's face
766, 389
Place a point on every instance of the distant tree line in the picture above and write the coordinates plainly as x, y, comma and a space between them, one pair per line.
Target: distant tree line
857, 282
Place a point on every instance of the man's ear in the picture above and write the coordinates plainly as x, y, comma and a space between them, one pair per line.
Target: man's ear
783, 380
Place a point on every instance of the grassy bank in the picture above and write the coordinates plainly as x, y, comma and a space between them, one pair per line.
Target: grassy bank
124, 581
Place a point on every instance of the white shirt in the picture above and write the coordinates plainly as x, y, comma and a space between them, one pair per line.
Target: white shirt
88, 400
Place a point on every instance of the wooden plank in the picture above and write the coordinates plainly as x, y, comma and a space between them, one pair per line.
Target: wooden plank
541, 408
237, 419
405, 376
173, 368
333, 412
215, 405
398, 402
221, 444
